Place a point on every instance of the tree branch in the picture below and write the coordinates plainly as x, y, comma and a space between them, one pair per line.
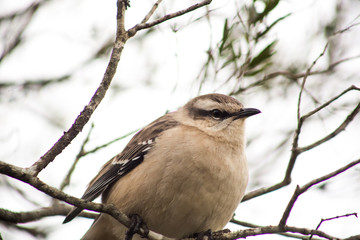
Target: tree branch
250, 225
36, 232
338, 130
24, 217
109, 143
27, 14
132, 31
66, 180
85, 115
301, 190
276, 229
308, 71
332, 218
19, 173
309, 114
151, 12
31, 84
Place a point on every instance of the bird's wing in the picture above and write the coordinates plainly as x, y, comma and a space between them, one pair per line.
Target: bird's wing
128, 159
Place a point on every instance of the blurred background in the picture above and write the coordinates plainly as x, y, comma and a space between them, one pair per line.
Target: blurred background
53, 55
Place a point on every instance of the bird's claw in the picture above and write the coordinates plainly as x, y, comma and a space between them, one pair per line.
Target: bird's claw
127, 3
136, 223
201, 235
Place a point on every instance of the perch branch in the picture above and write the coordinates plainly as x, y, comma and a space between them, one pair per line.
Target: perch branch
19, 173
251, 225
276, 229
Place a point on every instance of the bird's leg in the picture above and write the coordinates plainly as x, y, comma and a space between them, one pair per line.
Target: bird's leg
136, 224
201, 235
127, 4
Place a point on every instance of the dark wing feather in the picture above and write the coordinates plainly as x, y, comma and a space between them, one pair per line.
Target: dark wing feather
128, 159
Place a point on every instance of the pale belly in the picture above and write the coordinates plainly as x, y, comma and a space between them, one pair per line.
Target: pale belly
189, 201
184, 195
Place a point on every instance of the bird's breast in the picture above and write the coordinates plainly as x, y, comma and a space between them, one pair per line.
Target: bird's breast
199, 187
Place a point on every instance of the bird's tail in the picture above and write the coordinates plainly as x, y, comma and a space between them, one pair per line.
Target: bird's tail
72, 214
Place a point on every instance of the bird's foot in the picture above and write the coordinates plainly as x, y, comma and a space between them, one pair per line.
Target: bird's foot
202, 235
127, 4
136, 223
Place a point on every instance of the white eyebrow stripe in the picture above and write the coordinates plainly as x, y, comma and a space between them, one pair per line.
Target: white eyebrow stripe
206, 104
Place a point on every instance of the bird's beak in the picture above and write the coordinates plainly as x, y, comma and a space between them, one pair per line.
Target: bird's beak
246, 112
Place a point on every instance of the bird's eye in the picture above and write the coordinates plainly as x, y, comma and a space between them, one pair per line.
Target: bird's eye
216, 113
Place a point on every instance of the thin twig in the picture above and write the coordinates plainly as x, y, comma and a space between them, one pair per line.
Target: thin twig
332, 218
301, 190
132, 31
109, 143
34, 215
251, 225
292, 76
36, 232
338, 130
29, 84
308, 71
66, 180
276, 229
346, 29
27, 14
151, 12
264, 190
305, 116
24, 194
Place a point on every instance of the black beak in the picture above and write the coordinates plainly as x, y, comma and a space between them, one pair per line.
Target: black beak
247, 112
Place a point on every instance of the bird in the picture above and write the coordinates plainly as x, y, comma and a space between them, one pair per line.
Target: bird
184, 173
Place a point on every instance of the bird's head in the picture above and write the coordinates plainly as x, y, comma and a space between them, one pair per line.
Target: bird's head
217, 115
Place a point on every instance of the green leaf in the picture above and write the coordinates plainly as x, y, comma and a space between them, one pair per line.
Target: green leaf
225, 36
255, 72
260, 34
269, 6
266, 53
